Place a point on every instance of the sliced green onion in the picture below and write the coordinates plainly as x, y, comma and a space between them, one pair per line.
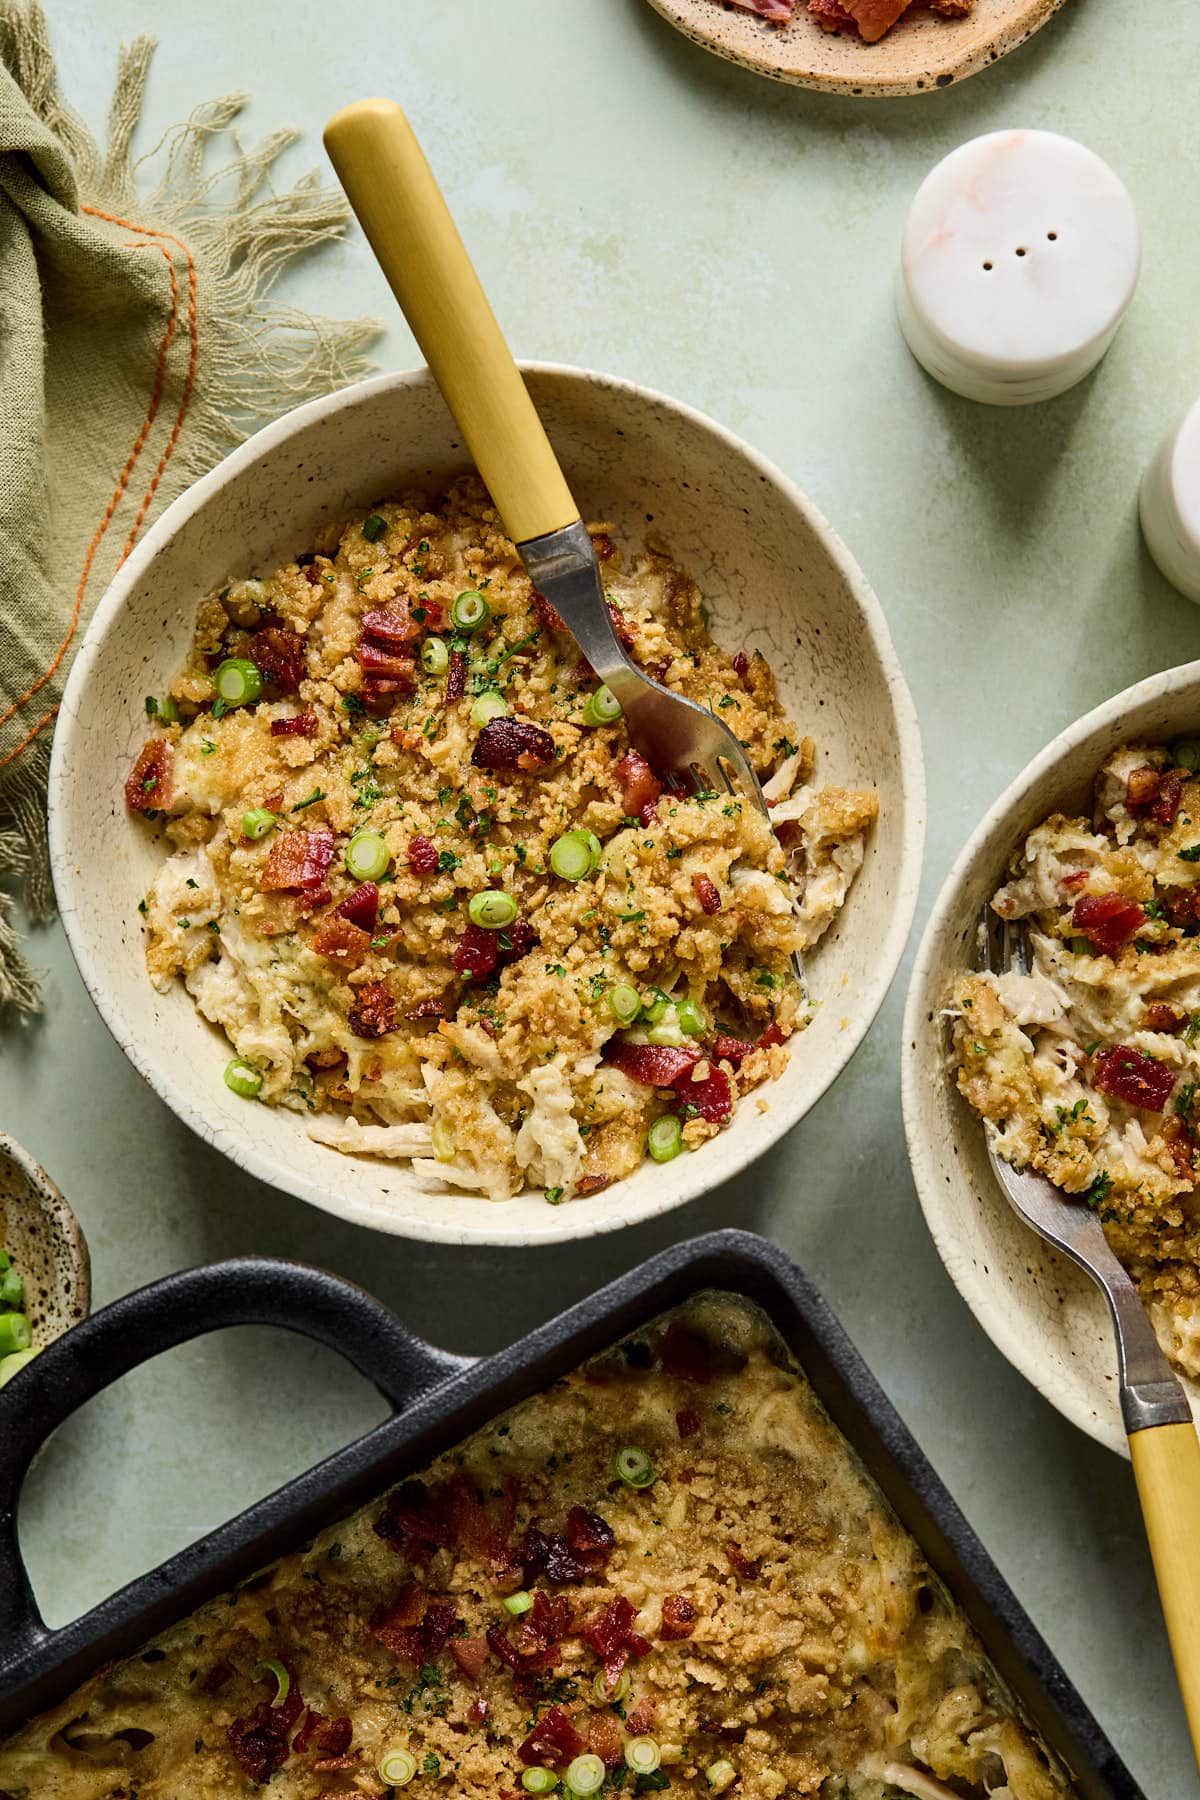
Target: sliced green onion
15, 1332
397, 1768
283, 1681
620, 1691
492, 909
642, 1755
491, 704
602, 707
435, 657
243, 1078
1080, 945
367, 856
625, 1003
518, 1603
444, 1147
12, 1288
12, 1365
586, 1774
374, 527
691, 1019
168, 711
664, 1140
633, 1466
719, 1775
575, 854
1186, 752
238, 681
658, 1008
257, 822
539, 1781
469, 611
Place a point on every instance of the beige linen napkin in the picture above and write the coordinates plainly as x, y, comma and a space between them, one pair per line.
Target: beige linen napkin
136, 347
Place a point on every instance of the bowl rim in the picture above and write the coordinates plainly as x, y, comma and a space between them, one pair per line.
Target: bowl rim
485, 1225
983, 1294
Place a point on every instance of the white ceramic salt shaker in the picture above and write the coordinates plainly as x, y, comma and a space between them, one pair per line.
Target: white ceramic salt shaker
1170, 505
1019, 258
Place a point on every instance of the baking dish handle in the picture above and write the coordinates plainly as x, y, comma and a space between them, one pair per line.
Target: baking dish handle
186, 1305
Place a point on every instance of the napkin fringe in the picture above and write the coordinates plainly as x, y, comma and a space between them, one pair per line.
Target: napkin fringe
260, 358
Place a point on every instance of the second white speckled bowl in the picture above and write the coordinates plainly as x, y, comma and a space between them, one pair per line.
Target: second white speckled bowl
776, 578
1043, 1313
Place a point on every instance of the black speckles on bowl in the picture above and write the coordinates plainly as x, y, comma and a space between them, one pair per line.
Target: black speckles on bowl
43, 1237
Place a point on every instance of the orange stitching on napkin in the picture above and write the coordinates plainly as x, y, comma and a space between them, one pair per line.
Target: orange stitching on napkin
131, 462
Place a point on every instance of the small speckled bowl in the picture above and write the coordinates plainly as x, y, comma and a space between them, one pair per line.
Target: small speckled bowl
921, 53
1043, 1313
776, 579
43, 1237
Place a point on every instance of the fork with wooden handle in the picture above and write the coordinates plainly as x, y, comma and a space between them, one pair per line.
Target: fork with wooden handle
392, 189
1163, 1444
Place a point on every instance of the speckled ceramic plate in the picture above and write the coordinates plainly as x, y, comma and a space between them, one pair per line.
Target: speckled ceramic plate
1043, 1313
775, 577
921, 52
47, 1246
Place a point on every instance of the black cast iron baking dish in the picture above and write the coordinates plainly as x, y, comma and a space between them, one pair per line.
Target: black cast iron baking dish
440, 1399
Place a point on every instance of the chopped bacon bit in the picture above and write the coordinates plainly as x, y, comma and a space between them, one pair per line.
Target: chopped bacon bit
470, 1653
654, 1065
774, 1034
1182, 1145
361, 907
1158, 1017
386, 664
1109, 920
415, 1521
642, 1719
312, 898
299, 725
707, 893
440, 1620
1165, 804
432, 1007
686, 1354
640, 786
553, 1740
280, 656
744, 1566
603, 545
638, 1645
478, 1710
502, 1645
687, 1422
549, 1554
604, 1738
712, 1097
482, 1530
873, 18
621, 626
741, 663
590, 1536
1141, 788
508, 743
326, 1765
298, 859
591, 1184
259, 1740
151, 785
547, 613
379, 693
730, 1049
392, 626
678, 1616
476, 952
456, 677
329, 1737
373, 1014
1075, 879
1179, 904
1138, 1080
340, 942
422, 855
415, 1628
610, 1631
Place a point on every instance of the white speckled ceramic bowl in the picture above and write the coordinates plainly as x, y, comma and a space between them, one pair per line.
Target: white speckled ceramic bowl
921, 53
777, 579
1049, 1320
46, 1243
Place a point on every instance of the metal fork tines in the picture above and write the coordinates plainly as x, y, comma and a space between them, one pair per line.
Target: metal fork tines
1150, 1394
672, 732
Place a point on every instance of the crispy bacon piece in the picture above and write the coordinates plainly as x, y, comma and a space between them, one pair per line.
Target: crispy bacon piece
456, 677
678, 1616
373, 1014
298, 859
741, 663
1159, 1017
707, 893
1109, 920
592, 1184
604, 1738
361, 907
640, 786
1141, 788
685, 1354
151, 783
744, 1566
687, 1423
654, 1065
547, 614
340, 942
414, 1627
1179, 904
774, 1034
476, 952
776, 12
415, 1521
874, 17
1182, 1145
712, 1097
483, 1530
422, 855
328, 1737
730, 1049
553, 1740
603, 545
1075, 879
379, 664
590, 1536
642, 1720
299, 725
470, 1653
508, 744
1128, 1075
477, 1713
432, 1007
280, 655
393, 626
1154, 792
610, 1631
1165, 804
259, 1740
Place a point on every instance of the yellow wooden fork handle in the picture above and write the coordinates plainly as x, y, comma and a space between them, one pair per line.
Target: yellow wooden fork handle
408, 225
1166, 1465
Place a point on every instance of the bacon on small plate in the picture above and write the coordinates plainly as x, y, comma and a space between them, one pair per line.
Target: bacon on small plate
777, 12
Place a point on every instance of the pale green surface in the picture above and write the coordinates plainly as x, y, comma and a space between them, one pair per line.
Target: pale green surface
636, 205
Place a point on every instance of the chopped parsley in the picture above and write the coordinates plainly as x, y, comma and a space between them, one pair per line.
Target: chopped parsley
1191, 853
318, 793
208, 748
1099, 1189
353, 704
373, 528
448, 861
554, 1195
